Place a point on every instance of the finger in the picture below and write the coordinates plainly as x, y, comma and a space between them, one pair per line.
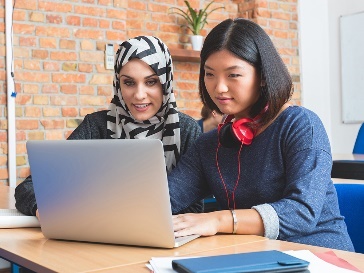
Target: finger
184, 232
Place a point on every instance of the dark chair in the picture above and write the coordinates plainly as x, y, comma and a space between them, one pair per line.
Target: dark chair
348, 169
359, 143
351, 203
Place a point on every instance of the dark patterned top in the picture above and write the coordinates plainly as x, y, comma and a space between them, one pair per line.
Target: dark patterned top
94, 127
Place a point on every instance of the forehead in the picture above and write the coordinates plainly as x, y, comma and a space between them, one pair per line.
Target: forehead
224, 59
136, 67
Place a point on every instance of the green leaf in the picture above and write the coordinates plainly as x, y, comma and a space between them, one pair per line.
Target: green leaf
195, 20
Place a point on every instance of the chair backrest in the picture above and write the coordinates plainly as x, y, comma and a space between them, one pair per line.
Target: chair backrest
351, 203
359, 143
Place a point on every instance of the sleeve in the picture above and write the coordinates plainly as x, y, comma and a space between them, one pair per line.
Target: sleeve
24, 195
308, 175
190, 131
186, 182
83, 131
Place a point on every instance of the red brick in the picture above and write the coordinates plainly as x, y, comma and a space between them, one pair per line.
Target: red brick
54, 19
32, 112
73, 20
63, 56
69, 112
54, 135
89, 22
71, 78
26, 124
90, 11
32, 64
51, 112
53, 124
48, 42
53, 31
51, 66
28, 41
69, 89
54, 6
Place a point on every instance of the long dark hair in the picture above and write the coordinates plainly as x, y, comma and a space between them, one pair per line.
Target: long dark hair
250, 42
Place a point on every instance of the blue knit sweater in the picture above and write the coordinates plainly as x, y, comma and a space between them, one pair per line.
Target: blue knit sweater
285, 176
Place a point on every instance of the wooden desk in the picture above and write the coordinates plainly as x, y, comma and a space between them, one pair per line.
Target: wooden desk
347, 181
348, 157
27, 247
356, 259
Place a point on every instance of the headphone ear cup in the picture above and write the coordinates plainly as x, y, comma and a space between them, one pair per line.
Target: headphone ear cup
227, 137
243, 133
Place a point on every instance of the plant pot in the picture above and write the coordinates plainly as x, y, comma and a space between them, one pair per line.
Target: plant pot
196, 41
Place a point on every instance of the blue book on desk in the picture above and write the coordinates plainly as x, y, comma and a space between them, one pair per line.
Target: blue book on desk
251, 262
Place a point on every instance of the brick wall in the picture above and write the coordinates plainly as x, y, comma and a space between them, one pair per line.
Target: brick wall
59, 58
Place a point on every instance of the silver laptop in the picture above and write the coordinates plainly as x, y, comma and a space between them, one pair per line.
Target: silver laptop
108, 191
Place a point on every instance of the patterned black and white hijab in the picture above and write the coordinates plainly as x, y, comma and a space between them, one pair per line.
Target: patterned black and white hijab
165, 124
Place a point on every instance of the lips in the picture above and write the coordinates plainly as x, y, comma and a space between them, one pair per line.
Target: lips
141, 107
224, 100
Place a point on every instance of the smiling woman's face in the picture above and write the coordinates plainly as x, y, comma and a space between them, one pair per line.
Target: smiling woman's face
141, 89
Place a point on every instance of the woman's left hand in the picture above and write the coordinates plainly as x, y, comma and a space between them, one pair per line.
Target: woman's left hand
204, 224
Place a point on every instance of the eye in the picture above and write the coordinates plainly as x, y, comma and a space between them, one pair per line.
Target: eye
208, 74
234, 75
128, 83
151, 82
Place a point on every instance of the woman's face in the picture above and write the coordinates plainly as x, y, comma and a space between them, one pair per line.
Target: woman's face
232, 83
141, 89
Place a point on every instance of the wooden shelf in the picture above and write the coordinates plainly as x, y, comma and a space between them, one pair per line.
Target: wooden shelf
185, 55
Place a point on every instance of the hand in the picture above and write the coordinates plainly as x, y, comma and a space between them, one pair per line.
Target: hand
205, 224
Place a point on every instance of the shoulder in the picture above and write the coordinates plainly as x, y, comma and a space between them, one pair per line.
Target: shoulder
94, 125
99, 115
187, 123
301, 125
186, 120
190, 131
298, 116
97, 119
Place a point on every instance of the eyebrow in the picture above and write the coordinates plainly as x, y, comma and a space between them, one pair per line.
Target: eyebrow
147, 77
229, 68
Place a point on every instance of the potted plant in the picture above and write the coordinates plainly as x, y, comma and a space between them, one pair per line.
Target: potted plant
195, 21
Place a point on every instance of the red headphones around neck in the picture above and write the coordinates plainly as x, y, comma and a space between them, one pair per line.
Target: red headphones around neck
232, 134
235, 133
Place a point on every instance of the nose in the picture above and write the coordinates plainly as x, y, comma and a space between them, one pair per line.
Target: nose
140, 93
221, 86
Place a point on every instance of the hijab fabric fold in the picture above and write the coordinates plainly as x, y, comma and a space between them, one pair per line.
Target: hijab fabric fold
165, 124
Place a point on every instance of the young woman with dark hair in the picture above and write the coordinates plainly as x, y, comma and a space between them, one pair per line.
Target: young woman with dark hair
269, 163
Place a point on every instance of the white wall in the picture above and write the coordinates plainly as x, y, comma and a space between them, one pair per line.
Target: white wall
4, 264
320, 66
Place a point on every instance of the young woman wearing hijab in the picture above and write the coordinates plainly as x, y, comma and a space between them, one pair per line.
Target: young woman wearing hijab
143, 106
269, 164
